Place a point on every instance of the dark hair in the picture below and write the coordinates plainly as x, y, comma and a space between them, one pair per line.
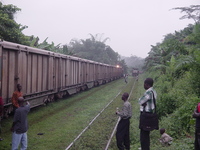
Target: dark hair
162, 130
149, 81
125, 95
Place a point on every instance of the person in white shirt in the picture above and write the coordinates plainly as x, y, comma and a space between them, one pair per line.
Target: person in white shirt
165, 139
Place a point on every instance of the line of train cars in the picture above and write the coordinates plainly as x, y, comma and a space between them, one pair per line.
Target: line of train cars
46, 75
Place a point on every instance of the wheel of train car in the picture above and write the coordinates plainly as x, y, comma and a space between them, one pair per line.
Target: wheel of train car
58, 96
78, 89
51, 98
7, 111
46, 101
104, 81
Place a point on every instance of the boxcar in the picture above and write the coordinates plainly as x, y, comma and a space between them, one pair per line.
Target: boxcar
46, 75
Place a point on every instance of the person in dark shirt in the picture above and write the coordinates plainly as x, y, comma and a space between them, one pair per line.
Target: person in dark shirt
20, 125
196, 115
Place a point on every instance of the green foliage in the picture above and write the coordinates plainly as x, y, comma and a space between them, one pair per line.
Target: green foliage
9, 29
180, 122
166, 104
94, 49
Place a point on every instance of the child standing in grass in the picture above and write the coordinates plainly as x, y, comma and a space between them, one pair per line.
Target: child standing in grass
165, 139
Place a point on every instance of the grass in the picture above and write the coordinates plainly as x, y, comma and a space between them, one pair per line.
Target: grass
60, 122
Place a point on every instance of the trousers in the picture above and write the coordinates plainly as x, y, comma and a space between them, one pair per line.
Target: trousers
18, 139
122, 134
197, 139
145, 139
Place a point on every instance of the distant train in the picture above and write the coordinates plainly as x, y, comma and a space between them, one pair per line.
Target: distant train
135, 72
46, 75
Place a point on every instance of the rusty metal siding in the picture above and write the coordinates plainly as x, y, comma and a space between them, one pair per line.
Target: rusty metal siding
42, 73
5, 75
44, 76
39, 73
50, 73
62, 76
34, 74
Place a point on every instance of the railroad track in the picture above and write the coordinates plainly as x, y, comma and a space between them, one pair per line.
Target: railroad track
114, 130
64, 121
98, 118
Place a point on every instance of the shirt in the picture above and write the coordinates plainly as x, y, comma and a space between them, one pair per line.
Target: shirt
165, 138
126, 111
15, 97
20, 119
148, 99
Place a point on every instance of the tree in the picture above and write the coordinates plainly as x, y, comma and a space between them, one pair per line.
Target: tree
94, 48
9, 29
192, 12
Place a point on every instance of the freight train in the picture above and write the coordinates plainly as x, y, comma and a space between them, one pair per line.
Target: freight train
46, 75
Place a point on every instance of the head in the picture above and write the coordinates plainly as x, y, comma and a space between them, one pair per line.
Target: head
148, 82
162, 130
21, 101
19, 87
125, 96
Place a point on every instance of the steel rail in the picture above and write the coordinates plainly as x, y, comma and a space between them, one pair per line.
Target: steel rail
70, 145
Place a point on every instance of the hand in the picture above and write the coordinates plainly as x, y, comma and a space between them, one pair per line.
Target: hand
144, 104
116, 112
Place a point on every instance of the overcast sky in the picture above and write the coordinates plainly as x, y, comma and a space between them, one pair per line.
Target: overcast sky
132, 25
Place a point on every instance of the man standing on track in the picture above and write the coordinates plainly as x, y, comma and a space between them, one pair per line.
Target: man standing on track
20, 125
122, 134
146, 102
18, 93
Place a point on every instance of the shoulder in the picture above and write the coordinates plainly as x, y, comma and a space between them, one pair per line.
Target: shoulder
127, 103
18, 110
148, 93
166, 135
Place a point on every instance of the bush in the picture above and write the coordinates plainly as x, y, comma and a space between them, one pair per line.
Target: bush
181, 119
166, 104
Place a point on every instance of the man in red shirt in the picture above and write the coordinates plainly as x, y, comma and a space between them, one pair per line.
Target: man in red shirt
15, 97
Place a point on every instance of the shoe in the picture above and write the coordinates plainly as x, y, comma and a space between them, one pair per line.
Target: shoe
1, 139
